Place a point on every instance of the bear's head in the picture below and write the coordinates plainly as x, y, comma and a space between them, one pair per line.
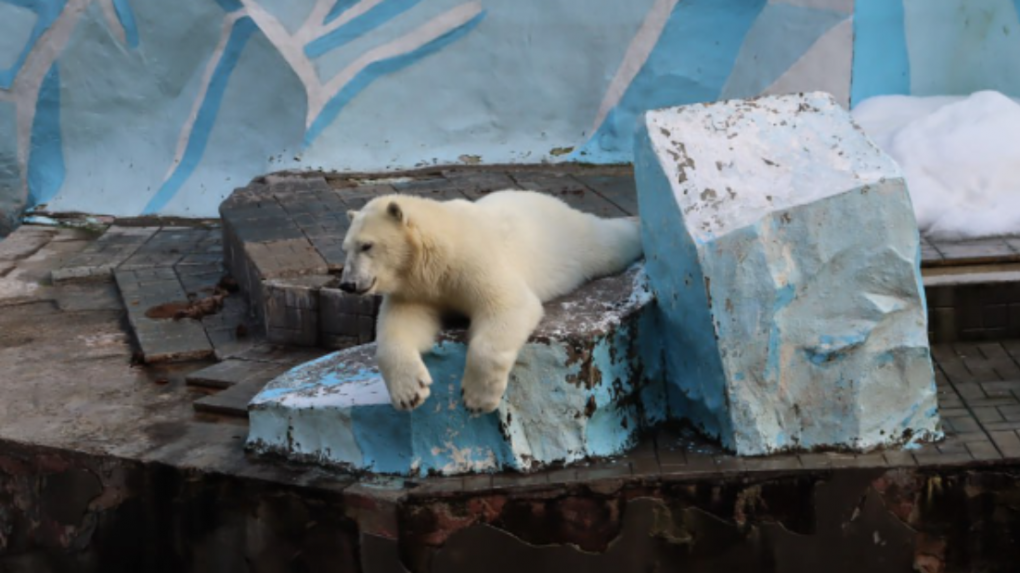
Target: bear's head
378, 248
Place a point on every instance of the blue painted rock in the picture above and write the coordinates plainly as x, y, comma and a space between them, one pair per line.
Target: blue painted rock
782, 249
585, 384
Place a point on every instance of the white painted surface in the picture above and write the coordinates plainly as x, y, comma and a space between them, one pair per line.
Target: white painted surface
744, 164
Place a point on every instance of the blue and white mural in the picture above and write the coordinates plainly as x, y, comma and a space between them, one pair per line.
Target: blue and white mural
126, 107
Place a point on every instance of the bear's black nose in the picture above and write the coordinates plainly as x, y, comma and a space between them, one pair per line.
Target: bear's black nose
348, 287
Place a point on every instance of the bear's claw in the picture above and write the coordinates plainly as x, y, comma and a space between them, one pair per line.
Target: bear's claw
407, 389
482, 402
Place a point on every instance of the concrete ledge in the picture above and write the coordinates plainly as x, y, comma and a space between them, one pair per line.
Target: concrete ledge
585, 385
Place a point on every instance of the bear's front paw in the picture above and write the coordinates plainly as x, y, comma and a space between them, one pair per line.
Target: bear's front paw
483, 396
408, 387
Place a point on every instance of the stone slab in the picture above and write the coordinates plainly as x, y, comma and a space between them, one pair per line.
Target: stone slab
166, 247
233, 371
231, 402
784, 253
100, 258
160, 340
24, 241
285, 258
584, 386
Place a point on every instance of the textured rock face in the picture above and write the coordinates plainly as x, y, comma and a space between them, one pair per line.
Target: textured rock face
584, 385
783, 251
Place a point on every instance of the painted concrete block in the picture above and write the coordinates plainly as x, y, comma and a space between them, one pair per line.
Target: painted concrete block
784, 255
585, 384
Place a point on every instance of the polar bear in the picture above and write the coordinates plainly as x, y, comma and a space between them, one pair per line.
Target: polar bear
494, 261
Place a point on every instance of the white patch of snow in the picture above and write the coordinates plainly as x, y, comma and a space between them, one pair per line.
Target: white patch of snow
960, 157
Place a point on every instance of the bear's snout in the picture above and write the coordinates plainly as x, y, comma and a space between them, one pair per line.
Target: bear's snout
350, 288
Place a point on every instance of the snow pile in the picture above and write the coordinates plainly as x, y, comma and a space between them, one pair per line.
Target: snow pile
960, 156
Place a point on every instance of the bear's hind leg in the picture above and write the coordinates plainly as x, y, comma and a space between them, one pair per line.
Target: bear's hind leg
405, 330
495, 340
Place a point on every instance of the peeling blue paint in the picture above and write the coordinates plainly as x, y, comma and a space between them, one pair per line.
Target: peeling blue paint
799, 319
383, 435
693, 367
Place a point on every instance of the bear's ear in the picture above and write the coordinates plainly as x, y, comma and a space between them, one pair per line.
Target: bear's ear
351, 214
394, 210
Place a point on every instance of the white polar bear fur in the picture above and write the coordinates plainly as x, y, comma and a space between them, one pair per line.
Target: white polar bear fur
495, 261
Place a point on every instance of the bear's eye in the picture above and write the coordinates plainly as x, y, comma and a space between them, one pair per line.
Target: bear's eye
366, 247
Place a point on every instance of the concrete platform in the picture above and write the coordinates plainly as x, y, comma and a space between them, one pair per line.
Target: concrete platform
106, 466
587, 384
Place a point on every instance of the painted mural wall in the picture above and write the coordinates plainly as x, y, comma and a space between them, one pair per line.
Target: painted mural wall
127, 107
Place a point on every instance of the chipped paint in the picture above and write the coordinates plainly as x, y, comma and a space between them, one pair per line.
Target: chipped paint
793, 313
577, 391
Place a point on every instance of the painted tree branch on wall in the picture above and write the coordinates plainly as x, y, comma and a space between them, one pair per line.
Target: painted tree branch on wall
34, 82
330, 25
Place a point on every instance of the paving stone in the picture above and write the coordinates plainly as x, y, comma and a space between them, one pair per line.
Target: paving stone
940, 459
101, 257
160, 340
570, 190
584, 362
899, 458
970, 391
232, 371
982, 402
1005, 389
987, 414
477, 184
289, 258
983, 450
819, 321
230, 402
330, 248
976, 250
356, 197
73, 297
24, 241
263, 227
267, 352
776, 463
165, 248
1007, 442
292, 309
1010, 413
978, 435
345, 317
996, 426
961, 424
438, 188
619, 190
